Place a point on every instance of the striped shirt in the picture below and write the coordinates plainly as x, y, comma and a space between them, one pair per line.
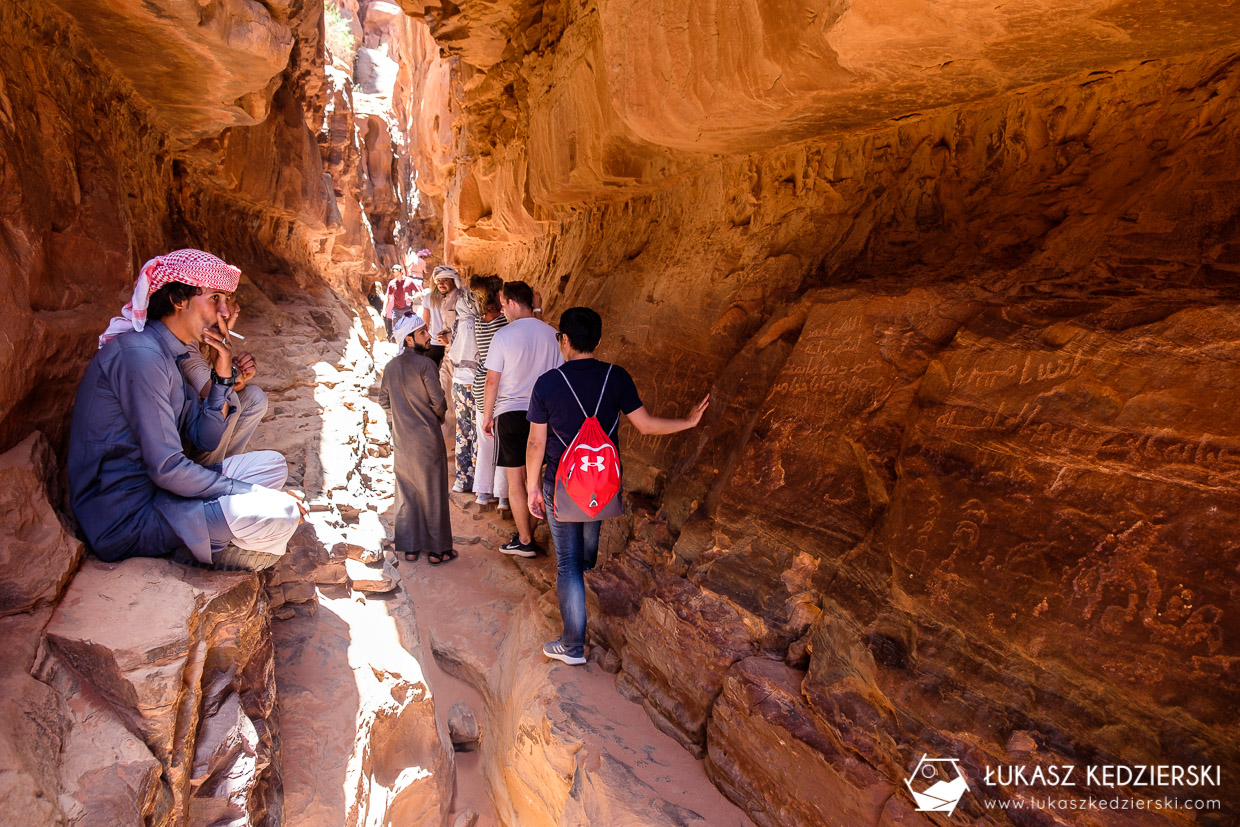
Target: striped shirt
484, 332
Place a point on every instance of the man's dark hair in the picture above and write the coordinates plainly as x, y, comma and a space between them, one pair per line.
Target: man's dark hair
519, 292
164, 300
583, 327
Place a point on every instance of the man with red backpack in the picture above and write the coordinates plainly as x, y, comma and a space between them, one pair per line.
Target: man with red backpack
576, 494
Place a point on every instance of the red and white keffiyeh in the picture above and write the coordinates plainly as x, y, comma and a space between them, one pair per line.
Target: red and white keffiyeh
193, 267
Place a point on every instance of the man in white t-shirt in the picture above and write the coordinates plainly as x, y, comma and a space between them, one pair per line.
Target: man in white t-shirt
521, 351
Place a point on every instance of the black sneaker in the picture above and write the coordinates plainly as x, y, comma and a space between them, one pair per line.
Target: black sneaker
520, 549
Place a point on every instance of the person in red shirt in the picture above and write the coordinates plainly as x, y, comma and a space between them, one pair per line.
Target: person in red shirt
398, 301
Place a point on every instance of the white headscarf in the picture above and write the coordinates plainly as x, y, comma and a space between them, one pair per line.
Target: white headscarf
406, 326
447, 271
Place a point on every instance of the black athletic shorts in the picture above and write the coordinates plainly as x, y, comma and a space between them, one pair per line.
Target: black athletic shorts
512, 431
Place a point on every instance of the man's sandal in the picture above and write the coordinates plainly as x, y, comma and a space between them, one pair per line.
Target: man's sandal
437, 557
412, 556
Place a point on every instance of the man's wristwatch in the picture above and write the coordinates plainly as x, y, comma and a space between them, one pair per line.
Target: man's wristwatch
226, 381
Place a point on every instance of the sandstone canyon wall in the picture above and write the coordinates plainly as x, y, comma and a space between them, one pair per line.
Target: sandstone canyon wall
145, 692
961, 282
131, 129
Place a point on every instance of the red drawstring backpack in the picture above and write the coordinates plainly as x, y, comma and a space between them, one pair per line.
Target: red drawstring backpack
587, 483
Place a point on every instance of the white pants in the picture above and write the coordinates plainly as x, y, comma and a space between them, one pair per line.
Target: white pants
261, 520
487, 478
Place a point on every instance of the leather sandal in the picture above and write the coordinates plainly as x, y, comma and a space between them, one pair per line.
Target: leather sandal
437, 557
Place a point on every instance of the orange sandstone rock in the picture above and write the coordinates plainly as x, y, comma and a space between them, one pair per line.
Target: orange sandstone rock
182, 658
37, 554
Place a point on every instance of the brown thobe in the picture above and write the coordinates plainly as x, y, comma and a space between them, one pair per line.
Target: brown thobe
414, 400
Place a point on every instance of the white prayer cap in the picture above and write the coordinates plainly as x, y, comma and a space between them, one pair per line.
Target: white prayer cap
406, 326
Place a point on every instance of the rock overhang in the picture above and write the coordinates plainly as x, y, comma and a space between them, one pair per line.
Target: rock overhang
201, 66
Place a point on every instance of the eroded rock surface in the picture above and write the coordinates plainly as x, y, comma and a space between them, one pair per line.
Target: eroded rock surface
360, 740
630, 75
219, 61
34, 727
181, 658
359, 723
127, 129
38, 554
558, 744
237, 139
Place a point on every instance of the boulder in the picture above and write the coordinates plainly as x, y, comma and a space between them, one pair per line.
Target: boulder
463, 727
38, 554
362, 554
305, 565
182, 659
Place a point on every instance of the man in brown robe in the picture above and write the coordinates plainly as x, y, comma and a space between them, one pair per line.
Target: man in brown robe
414, 400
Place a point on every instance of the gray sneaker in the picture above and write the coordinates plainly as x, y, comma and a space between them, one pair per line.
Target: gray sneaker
558, 651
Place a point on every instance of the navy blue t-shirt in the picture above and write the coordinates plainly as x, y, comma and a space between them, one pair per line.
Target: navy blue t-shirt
552, 404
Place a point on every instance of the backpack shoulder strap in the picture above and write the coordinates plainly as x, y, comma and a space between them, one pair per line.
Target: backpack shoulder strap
601, 392
564, 376
573, 392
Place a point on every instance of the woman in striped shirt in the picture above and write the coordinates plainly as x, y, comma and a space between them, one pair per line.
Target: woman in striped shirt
489, 482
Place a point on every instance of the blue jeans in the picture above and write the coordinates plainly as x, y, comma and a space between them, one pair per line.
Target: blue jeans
576, 552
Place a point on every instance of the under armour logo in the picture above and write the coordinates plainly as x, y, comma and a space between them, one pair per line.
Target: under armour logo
597, 465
